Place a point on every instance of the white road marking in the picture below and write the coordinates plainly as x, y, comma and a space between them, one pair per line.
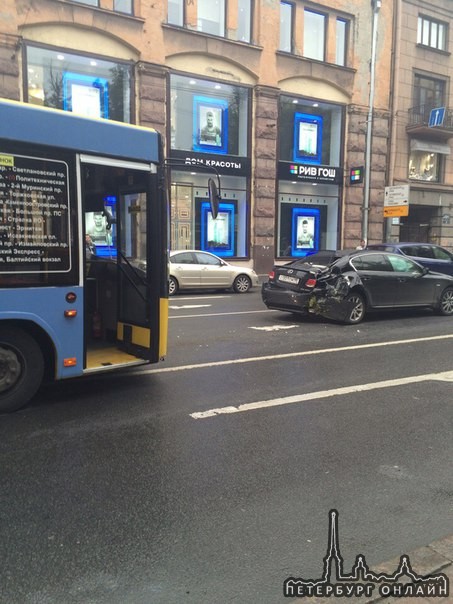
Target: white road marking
191, 306
220, 314
199, 298
273, 327
289, 355
311, 396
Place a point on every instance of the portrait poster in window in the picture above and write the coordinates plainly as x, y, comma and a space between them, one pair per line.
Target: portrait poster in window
86, 95
307, 138
210, 126
217, 236
305, 231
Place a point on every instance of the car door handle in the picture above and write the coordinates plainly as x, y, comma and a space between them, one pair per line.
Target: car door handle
402, 279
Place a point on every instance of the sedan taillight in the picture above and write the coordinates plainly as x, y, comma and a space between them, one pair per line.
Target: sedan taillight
310, 283
271, 275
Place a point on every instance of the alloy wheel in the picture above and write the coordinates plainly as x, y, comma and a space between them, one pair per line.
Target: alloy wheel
358, 310
446, 302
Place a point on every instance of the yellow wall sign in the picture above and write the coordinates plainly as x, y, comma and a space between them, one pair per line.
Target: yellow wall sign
6, 160
391, 211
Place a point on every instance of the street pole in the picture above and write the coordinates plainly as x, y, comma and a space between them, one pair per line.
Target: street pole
376, 5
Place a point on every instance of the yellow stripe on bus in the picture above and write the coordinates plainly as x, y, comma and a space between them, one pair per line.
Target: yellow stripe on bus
141, 336
163, 327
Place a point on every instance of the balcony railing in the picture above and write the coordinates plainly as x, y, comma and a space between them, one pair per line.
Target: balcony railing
423, 121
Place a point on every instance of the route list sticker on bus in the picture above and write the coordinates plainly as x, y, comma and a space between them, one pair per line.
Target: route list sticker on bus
34, 215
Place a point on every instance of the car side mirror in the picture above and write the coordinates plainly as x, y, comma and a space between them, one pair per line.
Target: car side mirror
423, 271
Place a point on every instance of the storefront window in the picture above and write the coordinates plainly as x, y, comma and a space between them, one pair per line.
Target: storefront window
192, 226
310, 132
86, 85
424, 166
310, 176
208, 116
307, 218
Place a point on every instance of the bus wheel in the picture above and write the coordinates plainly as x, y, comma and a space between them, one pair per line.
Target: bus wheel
21, 368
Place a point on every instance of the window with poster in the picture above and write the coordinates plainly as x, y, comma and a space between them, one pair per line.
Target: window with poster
218, 236
310, 175
208, 116
94, 88
310, 131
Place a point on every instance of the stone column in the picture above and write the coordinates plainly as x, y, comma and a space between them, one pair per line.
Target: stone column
9, 67
264, 177
354, 194
151, 96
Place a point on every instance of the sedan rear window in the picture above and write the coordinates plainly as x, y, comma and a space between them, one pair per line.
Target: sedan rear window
183, 258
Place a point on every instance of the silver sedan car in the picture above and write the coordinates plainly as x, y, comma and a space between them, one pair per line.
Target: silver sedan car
193, 269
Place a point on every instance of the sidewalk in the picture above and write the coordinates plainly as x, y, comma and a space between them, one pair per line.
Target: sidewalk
435, 558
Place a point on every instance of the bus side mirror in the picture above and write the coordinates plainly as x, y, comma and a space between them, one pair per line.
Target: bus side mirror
214, 198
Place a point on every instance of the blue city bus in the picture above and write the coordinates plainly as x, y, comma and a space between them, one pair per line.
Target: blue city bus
83, 248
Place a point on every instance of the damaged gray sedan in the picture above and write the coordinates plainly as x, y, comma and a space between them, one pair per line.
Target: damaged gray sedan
346, 285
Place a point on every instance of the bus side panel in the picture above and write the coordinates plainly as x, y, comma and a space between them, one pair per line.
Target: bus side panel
45, 307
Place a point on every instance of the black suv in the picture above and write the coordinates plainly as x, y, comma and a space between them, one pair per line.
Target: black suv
432, 256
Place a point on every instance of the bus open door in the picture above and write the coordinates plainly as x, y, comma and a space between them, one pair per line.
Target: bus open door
125, 310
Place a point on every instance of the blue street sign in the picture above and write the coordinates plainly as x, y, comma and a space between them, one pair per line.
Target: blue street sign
436, 117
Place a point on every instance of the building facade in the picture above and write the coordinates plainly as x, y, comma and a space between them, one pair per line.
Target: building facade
274, 94
422, 120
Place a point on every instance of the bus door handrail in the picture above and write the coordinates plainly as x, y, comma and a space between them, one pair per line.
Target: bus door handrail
134, 285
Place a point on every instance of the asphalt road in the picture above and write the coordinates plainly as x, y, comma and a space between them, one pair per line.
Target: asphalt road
209, 478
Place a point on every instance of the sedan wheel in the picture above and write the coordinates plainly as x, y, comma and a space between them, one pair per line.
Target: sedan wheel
242, 284
172, 286
446, 302
357, 312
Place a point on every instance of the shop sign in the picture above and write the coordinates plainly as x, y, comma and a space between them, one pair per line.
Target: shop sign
225, 164
310, 173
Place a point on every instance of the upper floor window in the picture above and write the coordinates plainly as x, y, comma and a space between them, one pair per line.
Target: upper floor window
432, 33
119, 6
244, 33
286, 26
340, 39
211, 17
314, 35
428, 92
123, 6
176, 12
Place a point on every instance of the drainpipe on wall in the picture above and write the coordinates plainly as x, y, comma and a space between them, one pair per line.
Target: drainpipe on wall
394, 106
376, 5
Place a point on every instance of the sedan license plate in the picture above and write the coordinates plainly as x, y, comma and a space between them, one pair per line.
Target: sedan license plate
287, 279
